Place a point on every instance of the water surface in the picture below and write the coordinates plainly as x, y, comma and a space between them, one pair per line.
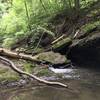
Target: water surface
84, 84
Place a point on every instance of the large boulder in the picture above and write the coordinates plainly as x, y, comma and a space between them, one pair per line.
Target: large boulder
53, 58
86, 50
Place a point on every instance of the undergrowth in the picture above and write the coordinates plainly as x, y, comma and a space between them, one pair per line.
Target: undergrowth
20, 18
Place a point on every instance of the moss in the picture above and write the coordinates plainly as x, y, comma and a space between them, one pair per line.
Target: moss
61, 43
90, 26
44, 72
52, 57
48, 57
8, 76
28, 67
36, 51
3, 70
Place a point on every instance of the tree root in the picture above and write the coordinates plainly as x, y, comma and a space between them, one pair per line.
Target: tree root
12, 65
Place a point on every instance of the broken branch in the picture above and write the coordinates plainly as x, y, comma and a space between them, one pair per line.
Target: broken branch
12, 65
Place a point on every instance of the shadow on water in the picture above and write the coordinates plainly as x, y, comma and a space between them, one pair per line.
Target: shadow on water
84, 83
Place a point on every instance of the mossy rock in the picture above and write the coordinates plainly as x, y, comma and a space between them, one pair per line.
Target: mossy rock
89, 29
52, 57
62, 43
62, 46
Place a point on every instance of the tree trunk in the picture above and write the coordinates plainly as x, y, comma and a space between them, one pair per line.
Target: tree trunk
77, 7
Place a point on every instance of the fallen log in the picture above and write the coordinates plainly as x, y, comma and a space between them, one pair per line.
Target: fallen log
12, 54
62, 46
12, 65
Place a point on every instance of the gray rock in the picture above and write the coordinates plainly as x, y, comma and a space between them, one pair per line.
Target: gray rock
54, 58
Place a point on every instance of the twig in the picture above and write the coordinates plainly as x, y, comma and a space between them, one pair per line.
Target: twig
58, 39
12, 65
38, 42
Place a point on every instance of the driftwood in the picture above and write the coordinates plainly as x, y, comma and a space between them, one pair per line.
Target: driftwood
12, 54
58, 39
12, 65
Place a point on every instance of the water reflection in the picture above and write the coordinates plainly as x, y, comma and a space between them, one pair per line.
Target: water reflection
85, 87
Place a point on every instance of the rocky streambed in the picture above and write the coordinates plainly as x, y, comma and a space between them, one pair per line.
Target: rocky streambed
9, 78
84, 84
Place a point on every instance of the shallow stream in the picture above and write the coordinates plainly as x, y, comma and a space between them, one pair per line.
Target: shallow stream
84, 84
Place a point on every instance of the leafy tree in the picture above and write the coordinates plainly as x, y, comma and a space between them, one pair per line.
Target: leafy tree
23, 17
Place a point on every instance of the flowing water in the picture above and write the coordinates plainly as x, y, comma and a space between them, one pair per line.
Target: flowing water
84, 84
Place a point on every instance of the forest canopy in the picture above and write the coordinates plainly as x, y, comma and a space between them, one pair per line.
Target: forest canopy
20, 18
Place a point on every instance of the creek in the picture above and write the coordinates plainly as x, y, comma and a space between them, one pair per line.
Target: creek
84, 84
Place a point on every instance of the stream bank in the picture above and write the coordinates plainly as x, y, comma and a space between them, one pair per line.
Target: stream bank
10, 78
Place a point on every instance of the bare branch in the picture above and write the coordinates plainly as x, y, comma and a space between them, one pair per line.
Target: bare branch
12, 65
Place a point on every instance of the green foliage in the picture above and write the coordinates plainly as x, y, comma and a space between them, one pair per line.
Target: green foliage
19, 34
3, 7
21, 18
8, 42
62, 43
28, 67
8, 75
